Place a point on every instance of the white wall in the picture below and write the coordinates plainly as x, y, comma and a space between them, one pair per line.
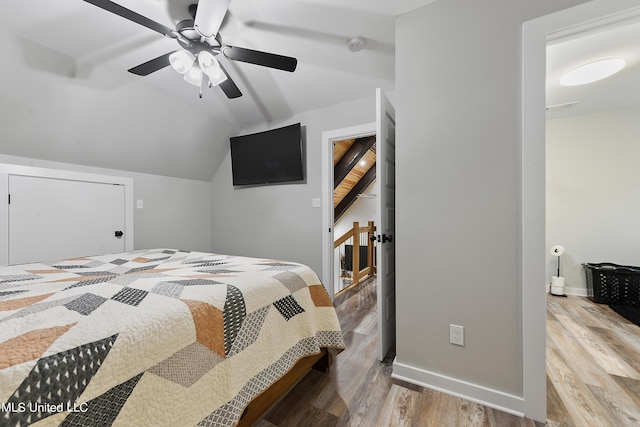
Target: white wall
593, 192
277, 221
176, 213
458, 195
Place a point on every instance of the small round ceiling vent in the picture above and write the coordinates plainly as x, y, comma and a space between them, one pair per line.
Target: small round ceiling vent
356, 44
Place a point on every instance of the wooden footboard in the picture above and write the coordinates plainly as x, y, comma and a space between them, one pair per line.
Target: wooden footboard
261, 403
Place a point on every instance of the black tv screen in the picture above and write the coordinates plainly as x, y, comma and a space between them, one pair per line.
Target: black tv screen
267, 157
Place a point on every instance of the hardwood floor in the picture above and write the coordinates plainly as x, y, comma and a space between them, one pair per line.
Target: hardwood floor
593, 365
359, 390
593, 376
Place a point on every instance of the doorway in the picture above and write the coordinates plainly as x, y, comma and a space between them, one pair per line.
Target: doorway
384, 129
533, 265
328, 213
354, 207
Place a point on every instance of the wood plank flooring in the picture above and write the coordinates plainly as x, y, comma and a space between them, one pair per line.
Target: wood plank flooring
359, 390
593, 365
593, 376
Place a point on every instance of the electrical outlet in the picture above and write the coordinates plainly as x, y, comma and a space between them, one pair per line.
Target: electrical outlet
456, 334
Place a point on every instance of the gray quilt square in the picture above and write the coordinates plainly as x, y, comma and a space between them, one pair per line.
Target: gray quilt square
168, 289
85, 303
197, 282
288, 307
291, 280
131, 296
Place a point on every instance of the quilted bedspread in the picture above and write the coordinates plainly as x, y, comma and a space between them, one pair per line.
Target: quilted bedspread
153, 338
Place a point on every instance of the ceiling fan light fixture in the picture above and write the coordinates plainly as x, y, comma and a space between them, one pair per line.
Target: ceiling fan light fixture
592, 72
194, 76
182, 61
195, 36
216, 76
211, 67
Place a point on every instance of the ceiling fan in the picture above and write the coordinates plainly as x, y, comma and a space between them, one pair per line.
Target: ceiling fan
201, 43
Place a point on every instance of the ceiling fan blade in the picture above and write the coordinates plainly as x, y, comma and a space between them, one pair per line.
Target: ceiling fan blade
228, 86
133, 16
285, 63
152, 65
209, 16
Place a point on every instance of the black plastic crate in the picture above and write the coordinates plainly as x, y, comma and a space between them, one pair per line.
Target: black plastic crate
609, 283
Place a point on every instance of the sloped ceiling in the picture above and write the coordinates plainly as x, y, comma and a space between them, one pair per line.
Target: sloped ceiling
354, 163
66, 95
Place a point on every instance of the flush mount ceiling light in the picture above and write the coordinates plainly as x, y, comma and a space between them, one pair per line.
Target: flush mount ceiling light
592, 72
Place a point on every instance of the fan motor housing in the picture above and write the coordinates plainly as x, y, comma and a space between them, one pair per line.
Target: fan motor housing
192, 40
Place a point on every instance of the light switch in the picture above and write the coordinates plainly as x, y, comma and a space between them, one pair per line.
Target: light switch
139, 203
315, 202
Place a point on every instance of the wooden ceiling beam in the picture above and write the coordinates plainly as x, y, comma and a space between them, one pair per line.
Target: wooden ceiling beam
351, 158
352, 195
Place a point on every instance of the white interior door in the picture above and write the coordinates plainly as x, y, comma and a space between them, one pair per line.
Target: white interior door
51, 218
386, 222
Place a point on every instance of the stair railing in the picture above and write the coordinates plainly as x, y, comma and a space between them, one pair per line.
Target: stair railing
356, 252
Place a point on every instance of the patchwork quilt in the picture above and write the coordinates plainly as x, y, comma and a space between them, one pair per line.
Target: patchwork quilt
153, 338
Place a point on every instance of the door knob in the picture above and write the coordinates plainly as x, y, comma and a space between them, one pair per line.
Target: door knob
119, 233
387, 238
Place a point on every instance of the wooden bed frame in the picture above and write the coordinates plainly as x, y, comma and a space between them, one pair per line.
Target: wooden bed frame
261, 403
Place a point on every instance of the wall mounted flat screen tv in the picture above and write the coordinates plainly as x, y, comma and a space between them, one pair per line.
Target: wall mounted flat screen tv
267, 157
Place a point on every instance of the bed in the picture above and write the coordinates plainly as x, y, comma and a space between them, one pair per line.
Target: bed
157, 338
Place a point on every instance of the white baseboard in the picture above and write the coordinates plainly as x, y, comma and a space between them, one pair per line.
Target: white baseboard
463, 389
580, 292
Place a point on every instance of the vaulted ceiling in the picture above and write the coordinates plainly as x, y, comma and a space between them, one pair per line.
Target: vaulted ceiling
65, 94
75, 37
315, 32
354, 170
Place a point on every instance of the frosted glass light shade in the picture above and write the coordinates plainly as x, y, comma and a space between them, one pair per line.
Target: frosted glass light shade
211, 67
194, 76
182, 61
592, 72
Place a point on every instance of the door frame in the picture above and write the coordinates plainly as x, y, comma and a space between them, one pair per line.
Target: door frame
8, 169
328, 138
535, 34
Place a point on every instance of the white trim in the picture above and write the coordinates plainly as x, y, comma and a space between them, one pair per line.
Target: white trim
535, 34
328, 138
578, 292
476, 393
8, 169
